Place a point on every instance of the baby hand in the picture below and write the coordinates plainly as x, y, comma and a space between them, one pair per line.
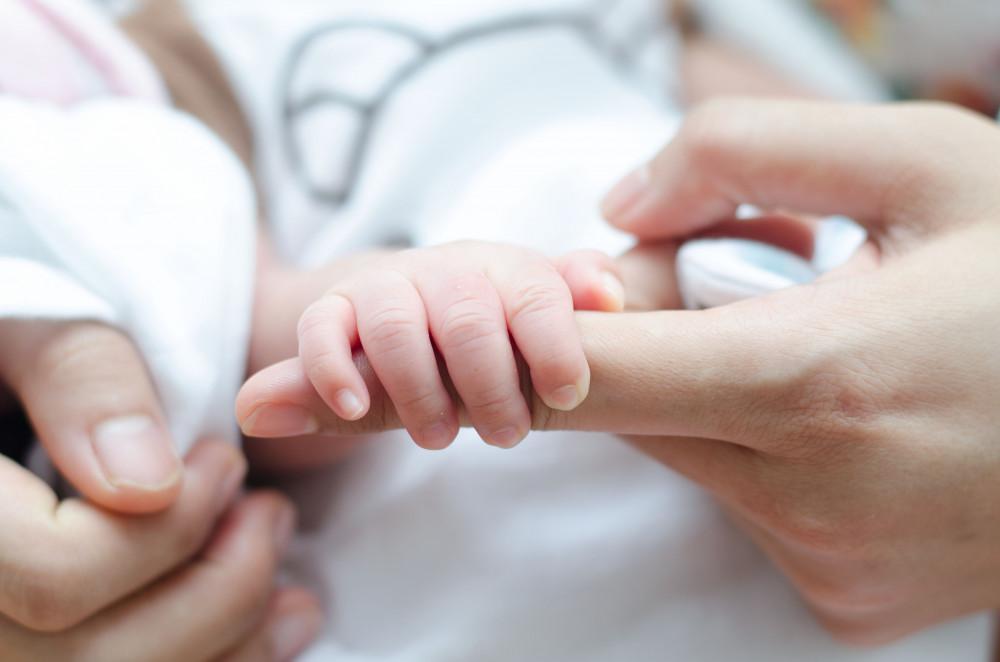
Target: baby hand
467, 300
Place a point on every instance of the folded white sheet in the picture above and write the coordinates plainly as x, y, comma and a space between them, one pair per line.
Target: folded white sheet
134, 215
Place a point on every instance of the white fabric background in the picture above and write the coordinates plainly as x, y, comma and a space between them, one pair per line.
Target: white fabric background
134, 215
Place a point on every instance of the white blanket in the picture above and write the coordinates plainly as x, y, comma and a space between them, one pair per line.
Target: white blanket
131, 214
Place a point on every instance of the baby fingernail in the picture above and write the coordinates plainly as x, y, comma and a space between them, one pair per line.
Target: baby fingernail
292, 633
565, 398
569, 397
437, 436
626, 194
135, 451
506, 437
614, 290
280, 421
349, 406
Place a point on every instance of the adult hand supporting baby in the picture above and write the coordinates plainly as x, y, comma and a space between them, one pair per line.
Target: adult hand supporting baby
851, 426
857, 420
79, 582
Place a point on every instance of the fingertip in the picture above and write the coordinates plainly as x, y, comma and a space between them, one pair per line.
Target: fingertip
569, 396
276, 402
611, 293
593, 281
436, 436
135, 467
620, 203
351, 406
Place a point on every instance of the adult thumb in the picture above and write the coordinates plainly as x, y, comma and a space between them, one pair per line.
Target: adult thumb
90, 400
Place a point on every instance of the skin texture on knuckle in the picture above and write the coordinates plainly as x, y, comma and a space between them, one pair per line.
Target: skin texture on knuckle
830, 398
467, 325
46, 595
314, 318
492, 401
391, 329
714, 130
79, 349
534, 300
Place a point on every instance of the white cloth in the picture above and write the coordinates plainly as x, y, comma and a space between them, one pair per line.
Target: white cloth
134, 215
572, 546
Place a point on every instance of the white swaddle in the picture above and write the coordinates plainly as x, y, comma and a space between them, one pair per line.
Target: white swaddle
134, 215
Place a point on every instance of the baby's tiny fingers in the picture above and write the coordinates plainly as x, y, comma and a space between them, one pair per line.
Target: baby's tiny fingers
392, 323
539, 308
593, 280
327, 334
468, 323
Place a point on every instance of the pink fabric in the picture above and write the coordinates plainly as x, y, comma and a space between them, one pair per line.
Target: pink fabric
64, 51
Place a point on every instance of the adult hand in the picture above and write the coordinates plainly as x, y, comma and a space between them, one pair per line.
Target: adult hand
72, 573
852, 425
857, 420
79, 581
91, 403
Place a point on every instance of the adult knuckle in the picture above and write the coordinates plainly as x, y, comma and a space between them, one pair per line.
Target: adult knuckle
712, 129
80, 349
831, 399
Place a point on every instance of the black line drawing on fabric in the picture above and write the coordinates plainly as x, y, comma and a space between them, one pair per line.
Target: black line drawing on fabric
585, 24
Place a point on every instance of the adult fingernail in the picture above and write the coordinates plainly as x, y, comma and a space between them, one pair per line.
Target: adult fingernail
284, 527
280, 421
614, 290
349, 406
135, 451
293, 632
626, 194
